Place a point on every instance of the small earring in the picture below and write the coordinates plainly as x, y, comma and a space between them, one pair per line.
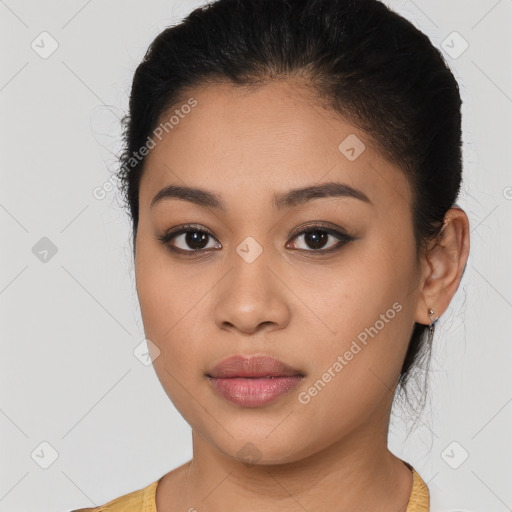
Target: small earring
433, 320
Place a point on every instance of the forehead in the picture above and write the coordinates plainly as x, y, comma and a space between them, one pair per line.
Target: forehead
266, 139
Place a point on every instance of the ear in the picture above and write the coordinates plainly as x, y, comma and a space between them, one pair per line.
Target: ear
443, 266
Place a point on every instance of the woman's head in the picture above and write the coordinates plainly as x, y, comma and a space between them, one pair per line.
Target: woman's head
251, 101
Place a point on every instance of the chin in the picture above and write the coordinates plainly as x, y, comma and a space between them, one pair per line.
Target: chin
254, 446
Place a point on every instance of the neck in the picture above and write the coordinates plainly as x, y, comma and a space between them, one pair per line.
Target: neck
356, 473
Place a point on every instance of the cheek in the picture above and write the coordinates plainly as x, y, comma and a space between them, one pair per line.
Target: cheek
170, 322
164, 297
366, 315
353, 373
350, 296
175, 311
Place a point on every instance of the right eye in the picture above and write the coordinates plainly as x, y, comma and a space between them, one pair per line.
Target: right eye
193, 239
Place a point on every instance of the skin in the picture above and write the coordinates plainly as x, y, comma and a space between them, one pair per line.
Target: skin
291, 303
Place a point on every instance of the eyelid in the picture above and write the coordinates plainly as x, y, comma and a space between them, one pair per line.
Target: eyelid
320, 225
181, 228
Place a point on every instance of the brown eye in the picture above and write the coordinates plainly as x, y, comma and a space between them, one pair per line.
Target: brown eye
188, 239
316, 239
321, 239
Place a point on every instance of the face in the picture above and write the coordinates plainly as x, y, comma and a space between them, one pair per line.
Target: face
324, 281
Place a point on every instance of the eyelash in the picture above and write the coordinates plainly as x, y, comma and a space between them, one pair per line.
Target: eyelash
191, 228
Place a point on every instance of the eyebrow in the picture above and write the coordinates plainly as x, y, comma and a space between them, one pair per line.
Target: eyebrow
288, 199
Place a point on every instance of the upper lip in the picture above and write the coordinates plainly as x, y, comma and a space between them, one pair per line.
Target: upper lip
252, 366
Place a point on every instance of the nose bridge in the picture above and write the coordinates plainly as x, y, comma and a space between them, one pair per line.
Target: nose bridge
251, 294
250, 261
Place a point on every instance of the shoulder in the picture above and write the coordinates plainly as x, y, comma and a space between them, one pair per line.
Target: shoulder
136, 501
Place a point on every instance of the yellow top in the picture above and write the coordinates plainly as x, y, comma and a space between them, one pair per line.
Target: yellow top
144, 500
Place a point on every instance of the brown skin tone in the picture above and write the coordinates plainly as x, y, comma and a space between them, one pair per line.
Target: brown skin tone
292, 303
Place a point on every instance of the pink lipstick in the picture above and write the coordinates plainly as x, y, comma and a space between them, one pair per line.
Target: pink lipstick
253, 381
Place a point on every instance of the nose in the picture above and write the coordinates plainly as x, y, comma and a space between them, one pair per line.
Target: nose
251, 297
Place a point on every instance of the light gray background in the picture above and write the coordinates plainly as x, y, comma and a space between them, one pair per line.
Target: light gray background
69, 325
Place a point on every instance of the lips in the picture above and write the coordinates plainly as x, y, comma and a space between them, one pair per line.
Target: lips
253, 381
252, 367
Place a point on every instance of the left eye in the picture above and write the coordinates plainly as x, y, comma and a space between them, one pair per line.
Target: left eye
316, 238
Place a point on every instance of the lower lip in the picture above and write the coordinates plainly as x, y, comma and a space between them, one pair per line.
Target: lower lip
254, 392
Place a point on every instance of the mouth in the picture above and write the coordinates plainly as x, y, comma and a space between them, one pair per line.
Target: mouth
253, 381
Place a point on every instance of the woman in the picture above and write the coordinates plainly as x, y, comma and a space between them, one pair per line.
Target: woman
291, 170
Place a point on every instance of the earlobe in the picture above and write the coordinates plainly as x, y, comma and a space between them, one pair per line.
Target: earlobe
445, 263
